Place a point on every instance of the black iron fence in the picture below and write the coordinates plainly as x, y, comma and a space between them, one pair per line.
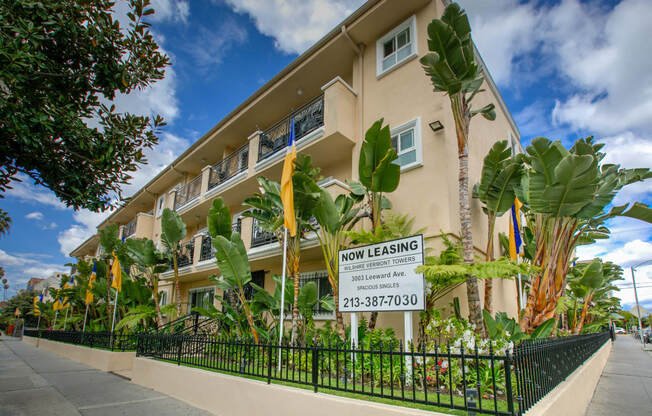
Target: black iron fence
307, 118
483, 379
260, 236
116, 341
187, 192
542, 364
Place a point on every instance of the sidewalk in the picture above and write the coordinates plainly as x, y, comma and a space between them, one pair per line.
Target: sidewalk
625, 387
35, 382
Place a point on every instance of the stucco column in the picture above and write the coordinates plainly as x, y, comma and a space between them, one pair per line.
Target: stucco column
339, 108
254, 141
205, 175
197, 251
246, 225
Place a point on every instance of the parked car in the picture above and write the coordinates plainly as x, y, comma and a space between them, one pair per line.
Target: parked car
619, 330
647, 336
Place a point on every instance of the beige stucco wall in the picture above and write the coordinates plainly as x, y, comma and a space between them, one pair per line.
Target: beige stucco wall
573, 396
100, 359
227, 395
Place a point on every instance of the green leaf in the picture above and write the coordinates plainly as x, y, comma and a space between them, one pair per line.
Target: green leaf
219, 220
173, 229
544, 330
377, 171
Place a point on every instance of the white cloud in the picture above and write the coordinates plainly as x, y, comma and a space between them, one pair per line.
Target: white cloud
20, 267
34, 215
210, 46
27, 191
170, 10
295, 24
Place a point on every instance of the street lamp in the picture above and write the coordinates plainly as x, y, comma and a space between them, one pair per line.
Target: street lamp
638, 308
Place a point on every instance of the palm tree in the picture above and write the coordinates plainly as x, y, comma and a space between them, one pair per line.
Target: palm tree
501, 173
5, 222
173, 230
453, 70
267, 210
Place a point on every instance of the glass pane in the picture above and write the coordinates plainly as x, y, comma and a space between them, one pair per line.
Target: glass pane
407, 139
404, 52
407, 158
395, 142
403, 38
389, 47
389, 62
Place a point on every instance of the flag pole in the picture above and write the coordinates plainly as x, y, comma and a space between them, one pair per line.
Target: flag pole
38, 323
115, 306
85, 316
283, 273
65, 320
55, 318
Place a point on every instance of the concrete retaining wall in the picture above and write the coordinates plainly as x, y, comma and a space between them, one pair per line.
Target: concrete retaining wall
573, 396
226, 395
97, 358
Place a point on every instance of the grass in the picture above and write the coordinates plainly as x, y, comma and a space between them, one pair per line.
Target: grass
408, 402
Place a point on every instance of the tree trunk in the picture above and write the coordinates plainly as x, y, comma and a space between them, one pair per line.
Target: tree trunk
294, 264
177, 290
489, 256
376, 218
247, 311
472, 291
159, 317
109, 308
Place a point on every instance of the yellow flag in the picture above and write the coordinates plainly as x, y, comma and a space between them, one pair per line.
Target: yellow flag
287, 191
91, 283
36, 311
17, 313
57, 305
116, 271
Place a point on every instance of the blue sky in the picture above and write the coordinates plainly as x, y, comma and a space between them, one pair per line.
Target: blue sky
566, 69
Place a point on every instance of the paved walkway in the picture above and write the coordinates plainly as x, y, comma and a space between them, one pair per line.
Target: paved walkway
35, 382
625, 387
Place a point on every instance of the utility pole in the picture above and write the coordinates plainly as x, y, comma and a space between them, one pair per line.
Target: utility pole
638, 308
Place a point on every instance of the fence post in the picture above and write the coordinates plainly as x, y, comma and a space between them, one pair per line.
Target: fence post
508, 384
315, 363
269, 363
180, 340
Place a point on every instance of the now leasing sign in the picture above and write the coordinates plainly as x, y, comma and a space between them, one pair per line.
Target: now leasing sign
381, 277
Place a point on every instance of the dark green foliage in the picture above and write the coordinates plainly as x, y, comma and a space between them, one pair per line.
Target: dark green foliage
60, 62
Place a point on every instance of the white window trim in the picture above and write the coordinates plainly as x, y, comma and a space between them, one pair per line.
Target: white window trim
410, 23
159, 207
416, 125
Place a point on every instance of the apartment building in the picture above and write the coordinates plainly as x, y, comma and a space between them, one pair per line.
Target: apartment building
364, 69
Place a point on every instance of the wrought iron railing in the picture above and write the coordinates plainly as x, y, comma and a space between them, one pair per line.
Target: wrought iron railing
259, 236
228, 167
186, 254
116, 341
187, 193
206, 252
487, 379
307, 118
130, 228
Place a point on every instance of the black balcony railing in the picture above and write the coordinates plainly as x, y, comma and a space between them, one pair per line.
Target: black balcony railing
186, 254
259, 236
187, 193
228, 167
206, 252
307, 118
130, 228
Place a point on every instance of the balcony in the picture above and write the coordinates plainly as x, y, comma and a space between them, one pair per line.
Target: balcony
259, 236
307, 119
130, 228
235, 163
186, 254
188, 193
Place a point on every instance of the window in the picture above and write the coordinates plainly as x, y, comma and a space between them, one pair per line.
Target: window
159, 205
324, 288
163, 298
200, 298
406, 139
396, 47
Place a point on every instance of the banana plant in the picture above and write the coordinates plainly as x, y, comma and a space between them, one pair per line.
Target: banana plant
232, 259
501, 174
452, 68
378, 175
149, 263
173, 230
335, 217
566, 193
